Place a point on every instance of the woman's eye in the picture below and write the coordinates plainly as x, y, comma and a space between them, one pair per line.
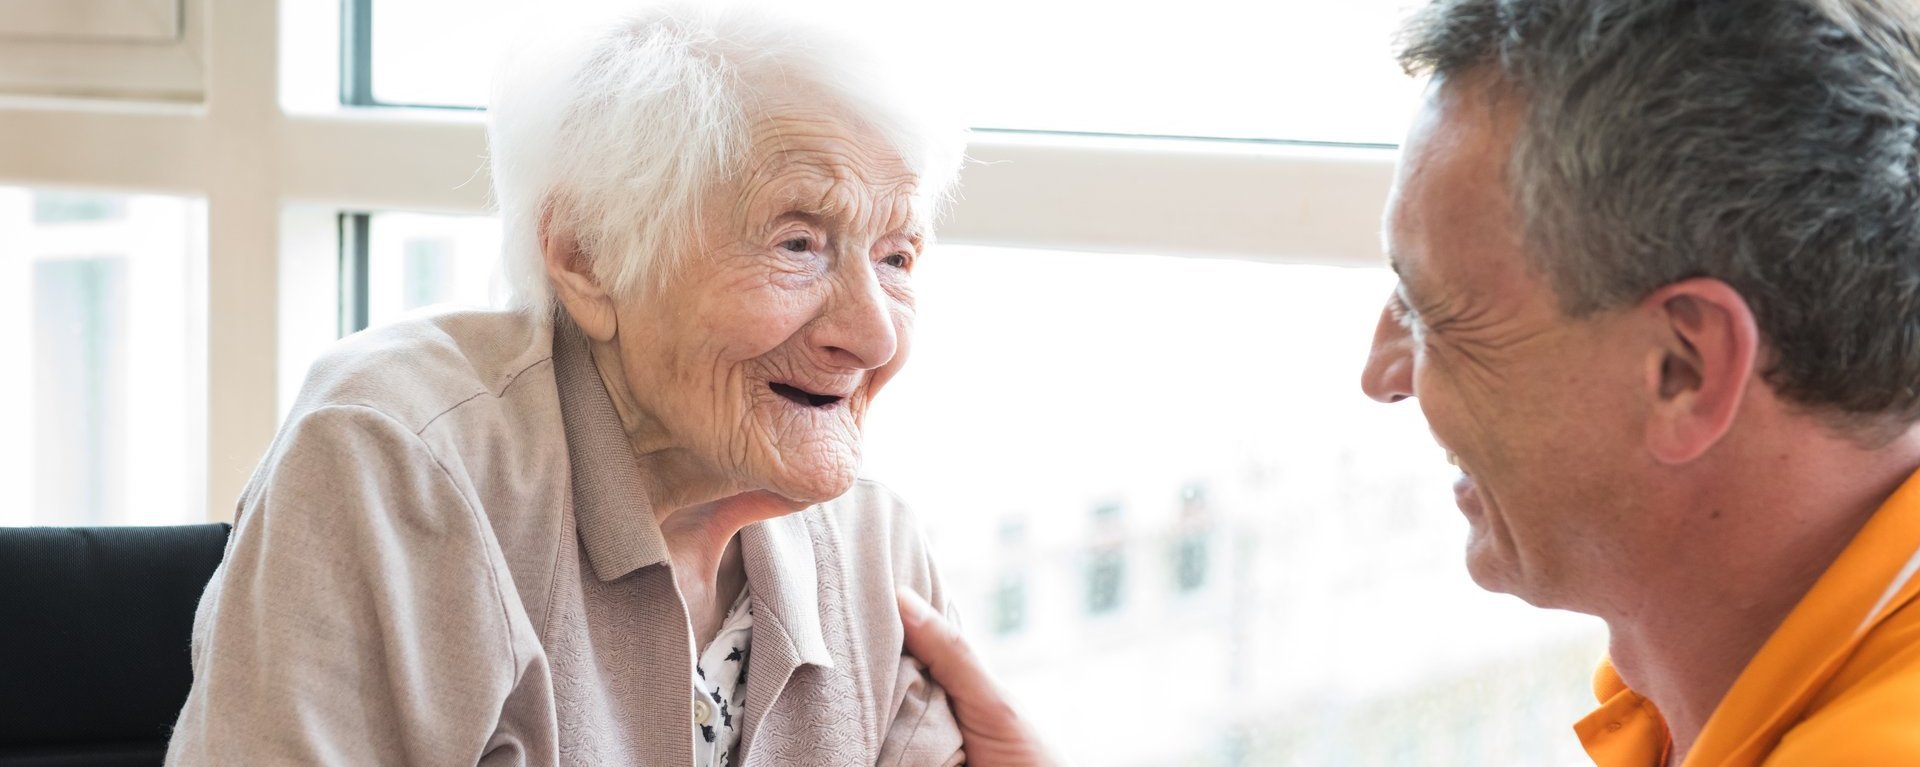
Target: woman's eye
898, 260
798, 245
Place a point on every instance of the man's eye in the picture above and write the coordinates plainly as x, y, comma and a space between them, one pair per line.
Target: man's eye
798, 245
1402, 313
898, 260
1409, 318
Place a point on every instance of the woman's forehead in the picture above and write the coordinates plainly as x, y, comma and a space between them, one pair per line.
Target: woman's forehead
827, 187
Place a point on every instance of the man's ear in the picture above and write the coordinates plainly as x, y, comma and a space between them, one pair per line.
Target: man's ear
1699, 371
574, 285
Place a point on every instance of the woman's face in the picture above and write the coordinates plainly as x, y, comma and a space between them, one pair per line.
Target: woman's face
761, 354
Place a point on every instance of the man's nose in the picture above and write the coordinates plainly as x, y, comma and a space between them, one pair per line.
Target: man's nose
1388, 376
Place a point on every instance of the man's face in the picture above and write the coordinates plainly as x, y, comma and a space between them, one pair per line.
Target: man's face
1540, 411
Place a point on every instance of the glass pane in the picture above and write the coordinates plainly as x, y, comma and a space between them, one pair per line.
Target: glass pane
1288, 69
417, 260
1165, 467
100, 301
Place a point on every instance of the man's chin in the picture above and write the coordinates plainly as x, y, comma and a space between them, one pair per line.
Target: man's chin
1488, 569
1497, 573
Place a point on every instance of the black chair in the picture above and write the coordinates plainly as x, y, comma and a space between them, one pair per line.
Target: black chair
95, 624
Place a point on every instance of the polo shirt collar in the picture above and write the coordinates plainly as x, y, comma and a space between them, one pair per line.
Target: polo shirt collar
610, 504
1626, 731
1873, 577
621, 535
784, 575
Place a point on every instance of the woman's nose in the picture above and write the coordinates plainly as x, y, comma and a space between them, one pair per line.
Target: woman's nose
859, 330
1388, 376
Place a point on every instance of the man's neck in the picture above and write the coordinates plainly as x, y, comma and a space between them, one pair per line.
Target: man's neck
1738, 562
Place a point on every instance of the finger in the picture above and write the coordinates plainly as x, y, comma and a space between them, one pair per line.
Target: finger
937, 644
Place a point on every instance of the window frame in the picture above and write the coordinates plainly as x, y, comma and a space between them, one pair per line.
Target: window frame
277, 180
91, 20
93, 52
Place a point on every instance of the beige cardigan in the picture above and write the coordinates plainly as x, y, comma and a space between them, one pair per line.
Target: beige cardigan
444, 560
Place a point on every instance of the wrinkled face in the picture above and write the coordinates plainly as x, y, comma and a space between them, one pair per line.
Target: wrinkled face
763, 352
1538, 410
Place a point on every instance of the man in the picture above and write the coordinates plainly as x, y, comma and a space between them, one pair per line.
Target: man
1660, 301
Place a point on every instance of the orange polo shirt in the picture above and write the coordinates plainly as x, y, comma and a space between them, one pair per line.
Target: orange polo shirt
1837, 684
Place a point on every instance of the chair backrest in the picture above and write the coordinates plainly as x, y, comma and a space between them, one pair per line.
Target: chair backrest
95, 624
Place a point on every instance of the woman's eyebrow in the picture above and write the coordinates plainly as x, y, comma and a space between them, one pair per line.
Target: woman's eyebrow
825, 209
803, 215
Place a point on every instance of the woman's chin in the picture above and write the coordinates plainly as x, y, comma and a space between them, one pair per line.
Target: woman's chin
813, 482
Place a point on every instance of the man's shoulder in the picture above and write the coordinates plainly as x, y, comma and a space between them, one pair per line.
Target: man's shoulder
1869, 713
1877, 726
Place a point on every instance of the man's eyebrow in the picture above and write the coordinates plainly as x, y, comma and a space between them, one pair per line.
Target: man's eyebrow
1404, 272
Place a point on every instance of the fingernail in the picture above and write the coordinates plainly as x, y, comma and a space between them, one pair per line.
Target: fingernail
912, 607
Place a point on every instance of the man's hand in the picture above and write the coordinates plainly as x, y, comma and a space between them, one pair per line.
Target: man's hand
994, 733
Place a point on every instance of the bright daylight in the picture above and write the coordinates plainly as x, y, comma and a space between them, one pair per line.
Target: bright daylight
1008, 384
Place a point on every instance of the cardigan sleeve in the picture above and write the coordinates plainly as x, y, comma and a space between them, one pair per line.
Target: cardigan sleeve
359, 616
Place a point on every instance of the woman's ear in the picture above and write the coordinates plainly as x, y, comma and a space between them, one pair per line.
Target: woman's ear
571, 274
1699, 372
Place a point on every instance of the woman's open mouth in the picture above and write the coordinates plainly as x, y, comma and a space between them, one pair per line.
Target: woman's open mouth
803, 397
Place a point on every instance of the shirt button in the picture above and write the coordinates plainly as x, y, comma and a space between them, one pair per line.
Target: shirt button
702, 711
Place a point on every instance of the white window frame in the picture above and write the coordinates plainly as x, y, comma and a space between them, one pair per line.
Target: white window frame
274, 180
91, 20
147, 49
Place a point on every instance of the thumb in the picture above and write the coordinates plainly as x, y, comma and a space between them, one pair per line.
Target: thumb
995, 735
937, 643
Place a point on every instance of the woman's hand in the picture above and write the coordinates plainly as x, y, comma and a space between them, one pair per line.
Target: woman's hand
995, 735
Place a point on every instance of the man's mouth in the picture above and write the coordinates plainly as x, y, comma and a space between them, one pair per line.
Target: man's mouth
803, 397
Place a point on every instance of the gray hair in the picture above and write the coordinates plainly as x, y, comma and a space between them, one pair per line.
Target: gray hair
1770, 144
613, 127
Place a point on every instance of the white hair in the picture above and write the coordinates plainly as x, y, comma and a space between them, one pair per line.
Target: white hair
614, 127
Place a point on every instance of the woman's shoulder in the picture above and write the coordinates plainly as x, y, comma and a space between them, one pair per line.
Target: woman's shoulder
419, 367
875, 525
874, 506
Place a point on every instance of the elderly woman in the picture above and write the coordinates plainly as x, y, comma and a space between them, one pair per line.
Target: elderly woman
619, 525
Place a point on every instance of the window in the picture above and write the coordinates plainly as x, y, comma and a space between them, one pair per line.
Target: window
1193, 543
1152, 490
53, 207
1106, 560
1311, 588
1010, 593
1335, 625
1293, 69
395, 263
142, 48
93, 20
101, 299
